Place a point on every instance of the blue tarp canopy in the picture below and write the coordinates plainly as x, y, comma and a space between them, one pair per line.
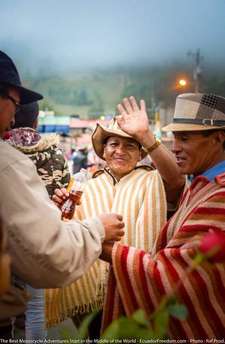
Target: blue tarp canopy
54, 124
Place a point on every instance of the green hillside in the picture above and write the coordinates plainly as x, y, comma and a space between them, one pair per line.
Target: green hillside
97, 93
88, 95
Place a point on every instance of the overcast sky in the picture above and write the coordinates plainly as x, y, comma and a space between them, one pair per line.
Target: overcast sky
81, 33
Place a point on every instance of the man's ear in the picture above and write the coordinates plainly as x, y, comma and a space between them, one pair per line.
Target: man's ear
220, 136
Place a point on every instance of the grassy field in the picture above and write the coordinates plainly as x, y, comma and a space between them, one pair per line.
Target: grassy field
88, 95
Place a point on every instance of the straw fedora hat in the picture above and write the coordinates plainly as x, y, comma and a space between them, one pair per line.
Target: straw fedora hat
197, 112
101, 133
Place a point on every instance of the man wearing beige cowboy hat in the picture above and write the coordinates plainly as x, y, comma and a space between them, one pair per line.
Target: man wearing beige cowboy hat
137, 193
140, 280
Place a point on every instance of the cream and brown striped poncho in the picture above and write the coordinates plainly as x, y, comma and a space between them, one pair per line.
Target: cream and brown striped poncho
140, 198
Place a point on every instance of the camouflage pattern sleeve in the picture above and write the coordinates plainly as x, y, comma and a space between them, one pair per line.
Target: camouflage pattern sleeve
53, 169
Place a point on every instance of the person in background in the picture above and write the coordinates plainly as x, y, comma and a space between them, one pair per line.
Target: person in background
94, 163
44, 250
52, 167
140, 279
139, 193
79, 159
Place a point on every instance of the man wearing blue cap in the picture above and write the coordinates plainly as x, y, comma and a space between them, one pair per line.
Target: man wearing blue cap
45, 252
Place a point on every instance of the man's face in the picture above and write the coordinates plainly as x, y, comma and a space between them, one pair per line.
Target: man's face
195, 153
8, 110
121, 155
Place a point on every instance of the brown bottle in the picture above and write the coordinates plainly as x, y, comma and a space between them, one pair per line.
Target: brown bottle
68, 208
79, 181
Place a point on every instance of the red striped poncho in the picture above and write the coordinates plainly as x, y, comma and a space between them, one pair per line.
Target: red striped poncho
140, 280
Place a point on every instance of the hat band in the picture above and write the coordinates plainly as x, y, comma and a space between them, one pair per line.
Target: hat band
203, 121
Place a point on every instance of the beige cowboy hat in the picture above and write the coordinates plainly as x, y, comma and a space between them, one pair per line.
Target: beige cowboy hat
197, 112
101, 133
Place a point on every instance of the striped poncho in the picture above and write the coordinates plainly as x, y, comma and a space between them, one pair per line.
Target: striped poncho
140, 198
139, 280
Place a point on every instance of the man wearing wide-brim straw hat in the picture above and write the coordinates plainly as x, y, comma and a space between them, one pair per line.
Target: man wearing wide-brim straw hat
198, 112
138, 131
200, 120
102, 133
137, 193
140, 280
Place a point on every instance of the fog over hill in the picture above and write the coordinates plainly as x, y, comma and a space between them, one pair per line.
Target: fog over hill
85, 55
54, 36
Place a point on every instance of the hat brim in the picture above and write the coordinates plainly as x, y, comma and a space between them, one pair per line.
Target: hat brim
190, 127
26, 95
101, 133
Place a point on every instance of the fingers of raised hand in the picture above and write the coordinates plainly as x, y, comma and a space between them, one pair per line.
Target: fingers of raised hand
142, 105
130, 105
121, 110
127, 105
134, 104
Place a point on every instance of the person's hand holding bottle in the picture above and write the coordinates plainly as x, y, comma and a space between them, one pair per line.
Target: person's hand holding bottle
113, 223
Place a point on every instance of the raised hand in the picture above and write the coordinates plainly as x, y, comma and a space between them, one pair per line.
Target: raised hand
132, 118
113, 224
